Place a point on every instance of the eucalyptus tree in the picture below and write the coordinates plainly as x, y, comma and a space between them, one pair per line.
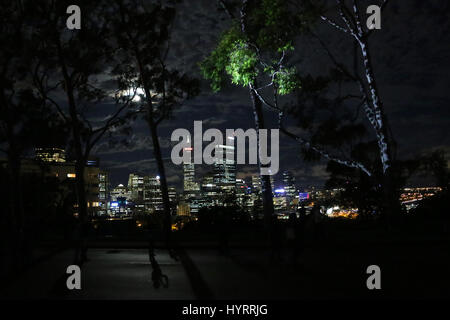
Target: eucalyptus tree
362, 75
252, 50
374, 108
242, 65
255, 53
351, 23
143, 40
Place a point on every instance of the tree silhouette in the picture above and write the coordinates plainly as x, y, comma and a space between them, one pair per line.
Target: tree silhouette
142, 35
374, 109
261, 50
284, 79
68, 71
25, 118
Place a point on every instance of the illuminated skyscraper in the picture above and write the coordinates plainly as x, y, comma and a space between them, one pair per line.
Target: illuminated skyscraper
225, 168
190, 187
189, 177
152, 194
257, 184
136, 187
173, 196
119, 192
289, 184
103, 191
209, 191
244, 197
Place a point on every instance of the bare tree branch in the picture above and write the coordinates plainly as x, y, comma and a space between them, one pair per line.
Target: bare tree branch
307, 144
334, 24
325, 154
345, 18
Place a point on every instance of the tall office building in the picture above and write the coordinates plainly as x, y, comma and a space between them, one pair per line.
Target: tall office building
243, 195
289, 184
225, 168
280, 200
120, 196
103, 191
183, 209
189, 183
119, 192
152, 194
173, 196
209, 191
190, 187
136, 188
257, 183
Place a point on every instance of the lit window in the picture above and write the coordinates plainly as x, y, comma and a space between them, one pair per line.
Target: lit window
71, 175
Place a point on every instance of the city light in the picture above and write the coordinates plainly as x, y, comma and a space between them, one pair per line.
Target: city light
303, 195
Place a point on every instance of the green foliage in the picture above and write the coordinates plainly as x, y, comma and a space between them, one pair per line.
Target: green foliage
214, 67
242, 64
239, 60
273, 25
287, 47
270, 32
287, 81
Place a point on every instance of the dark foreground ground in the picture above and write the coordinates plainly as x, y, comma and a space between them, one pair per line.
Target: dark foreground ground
414, 262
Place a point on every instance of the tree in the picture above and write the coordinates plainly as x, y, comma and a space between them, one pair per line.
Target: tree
25, 118
12, 102
67, 74
330, 119
373, 104
259, 29
259, 51
369, 99
142, 36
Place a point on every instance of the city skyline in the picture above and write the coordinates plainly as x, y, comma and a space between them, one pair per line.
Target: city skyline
142, 193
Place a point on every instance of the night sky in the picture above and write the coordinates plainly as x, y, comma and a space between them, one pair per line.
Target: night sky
411, 55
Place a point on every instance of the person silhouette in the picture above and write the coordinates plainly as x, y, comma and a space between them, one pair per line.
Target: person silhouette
158, 278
